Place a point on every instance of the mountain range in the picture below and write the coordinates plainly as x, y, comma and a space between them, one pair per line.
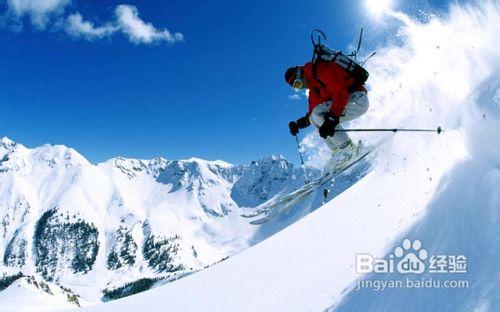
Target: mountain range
103, 231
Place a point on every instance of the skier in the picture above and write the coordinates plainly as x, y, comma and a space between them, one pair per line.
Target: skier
334, 98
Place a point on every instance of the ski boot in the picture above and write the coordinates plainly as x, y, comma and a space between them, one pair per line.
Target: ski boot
341, 156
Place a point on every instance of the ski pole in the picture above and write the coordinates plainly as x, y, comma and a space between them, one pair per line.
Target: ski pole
438, 130
302, 160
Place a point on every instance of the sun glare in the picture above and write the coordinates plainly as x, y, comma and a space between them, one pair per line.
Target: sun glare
378, 7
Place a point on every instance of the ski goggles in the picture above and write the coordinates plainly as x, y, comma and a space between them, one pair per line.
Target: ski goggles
298, 83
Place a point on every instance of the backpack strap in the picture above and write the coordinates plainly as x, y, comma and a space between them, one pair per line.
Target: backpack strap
314, 71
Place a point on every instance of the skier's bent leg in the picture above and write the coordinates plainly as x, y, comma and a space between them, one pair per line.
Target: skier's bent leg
343, 149
338, 140
317, 116
357, 105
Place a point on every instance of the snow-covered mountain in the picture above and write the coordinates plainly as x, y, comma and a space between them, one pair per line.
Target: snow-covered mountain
125, 223
441, 191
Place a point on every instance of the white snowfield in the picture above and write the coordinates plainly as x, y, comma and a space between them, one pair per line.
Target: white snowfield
441, 190
37, 297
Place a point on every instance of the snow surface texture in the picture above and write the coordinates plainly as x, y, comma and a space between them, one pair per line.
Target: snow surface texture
442, 190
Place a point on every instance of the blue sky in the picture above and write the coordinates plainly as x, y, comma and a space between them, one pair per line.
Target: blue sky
119, 91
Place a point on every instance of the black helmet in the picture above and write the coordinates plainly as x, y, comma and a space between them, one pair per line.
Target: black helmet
290, 75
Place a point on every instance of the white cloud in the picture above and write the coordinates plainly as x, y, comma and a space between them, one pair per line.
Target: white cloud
45, 13
77, 27
39, 11
139, 31
294, 97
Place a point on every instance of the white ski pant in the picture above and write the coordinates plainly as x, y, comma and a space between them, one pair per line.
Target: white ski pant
356, 106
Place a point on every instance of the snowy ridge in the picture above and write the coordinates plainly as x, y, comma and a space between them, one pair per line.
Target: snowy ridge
94, 228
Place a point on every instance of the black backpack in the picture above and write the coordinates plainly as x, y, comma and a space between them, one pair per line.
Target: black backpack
323, 54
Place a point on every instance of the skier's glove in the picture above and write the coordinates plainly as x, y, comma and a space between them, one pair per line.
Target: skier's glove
294, 128
298, 124
328, 127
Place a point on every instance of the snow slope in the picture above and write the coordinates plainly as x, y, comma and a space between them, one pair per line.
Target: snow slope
442, 190
307, 265
462, 218
29, 294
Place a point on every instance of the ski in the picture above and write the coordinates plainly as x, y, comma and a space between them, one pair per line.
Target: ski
278, 209
278, 206
286, 198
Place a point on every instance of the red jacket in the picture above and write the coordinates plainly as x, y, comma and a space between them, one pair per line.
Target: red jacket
336, 83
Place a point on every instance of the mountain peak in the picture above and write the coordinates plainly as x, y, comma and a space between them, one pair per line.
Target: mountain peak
132, 166
272, 158
218, 162
7, 142
59, 152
